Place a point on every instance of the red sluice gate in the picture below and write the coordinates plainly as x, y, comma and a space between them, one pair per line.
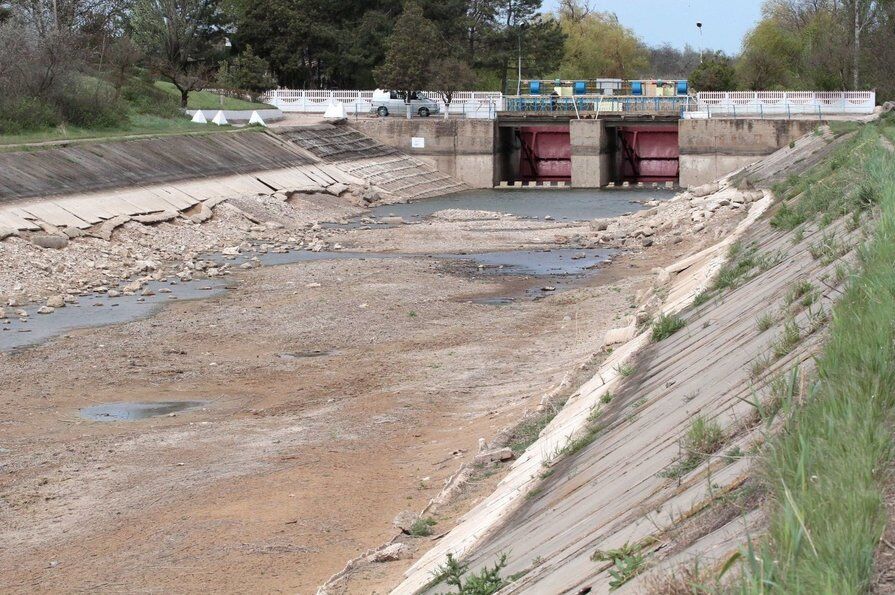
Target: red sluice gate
546, 153
649, 153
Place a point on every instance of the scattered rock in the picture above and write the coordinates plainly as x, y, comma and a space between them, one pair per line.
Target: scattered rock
493, 456
45, 240
336, 189
56, 301
646, 242
105, 229
405, 520
620, 335
390, 553
46, 310
2, 313
705, 189
371, 196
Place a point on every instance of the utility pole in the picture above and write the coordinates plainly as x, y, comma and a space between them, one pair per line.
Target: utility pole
519, 63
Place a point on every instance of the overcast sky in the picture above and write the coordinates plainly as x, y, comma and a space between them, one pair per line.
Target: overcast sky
724, 22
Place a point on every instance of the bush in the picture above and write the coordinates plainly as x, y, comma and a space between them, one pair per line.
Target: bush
27, 114
666, 325
86, 107
145, 98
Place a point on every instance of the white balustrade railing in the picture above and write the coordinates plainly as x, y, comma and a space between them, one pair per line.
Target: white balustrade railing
782, 103
471, 104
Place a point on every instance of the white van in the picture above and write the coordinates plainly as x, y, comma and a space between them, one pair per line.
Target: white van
387, 102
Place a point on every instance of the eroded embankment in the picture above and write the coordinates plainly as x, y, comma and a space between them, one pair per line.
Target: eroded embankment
659, 468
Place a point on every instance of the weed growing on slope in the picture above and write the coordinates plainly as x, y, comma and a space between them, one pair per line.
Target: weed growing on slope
627, 563
701, 298
828, 249
422, 526
740, 261
485, 582
797, 291
666, 325
626, 370
765, 321
702, 439
788, 340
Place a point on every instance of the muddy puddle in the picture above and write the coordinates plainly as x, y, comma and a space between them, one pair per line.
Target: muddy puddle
559, 204
99, 310
137, 411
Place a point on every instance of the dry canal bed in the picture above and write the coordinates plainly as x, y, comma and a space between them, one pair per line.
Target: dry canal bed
333, 394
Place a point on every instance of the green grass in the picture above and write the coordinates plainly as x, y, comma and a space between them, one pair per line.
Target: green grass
765, 321
826, 472
703, 438
422, 527
828, 189
666, 325
139, 125
209, 100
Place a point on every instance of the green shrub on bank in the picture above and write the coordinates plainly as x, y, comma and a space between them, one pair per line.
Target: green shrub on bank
86, 107
26, 114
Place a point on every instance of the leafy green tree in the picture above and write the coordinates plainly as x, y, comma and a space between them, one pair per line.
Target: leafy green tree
597, 45
246, 72
769, 50
408, 60
181, 38
715, 73
520, 31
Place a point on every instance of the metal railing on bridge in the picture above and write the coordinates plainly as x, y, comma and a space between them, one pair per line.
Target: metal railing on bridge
600, 104
469, 104
776, 104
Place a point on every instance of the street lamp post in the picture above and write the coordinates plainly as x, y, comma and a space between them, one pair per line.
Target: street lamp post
699, 26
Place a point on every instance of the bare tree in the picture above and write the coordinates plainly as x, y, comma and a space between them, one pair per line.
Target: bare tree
179, 37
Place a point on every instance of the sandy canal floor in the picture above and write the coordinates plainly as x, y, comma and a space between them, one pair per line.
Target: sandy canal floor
337, 394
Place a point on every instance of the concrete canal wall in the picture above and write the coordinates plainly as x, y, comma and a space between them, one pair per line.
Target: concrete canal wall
464, 149
712, 148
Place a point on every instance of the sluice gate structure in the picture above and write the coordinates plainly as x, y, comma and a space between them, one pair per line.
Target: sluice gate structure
601, 136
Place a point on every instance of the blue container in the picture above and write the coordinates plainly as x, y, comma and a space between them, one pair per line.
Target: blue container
534, 88
580, 88
636, 88
682, 87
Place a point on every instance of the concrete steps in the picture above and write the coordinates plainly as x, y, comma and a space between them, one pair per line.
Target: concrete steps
361, 156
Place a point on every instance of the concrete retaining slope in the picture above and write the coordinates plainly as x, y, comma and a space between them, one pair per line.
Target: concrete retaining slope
610, 493
381, 165
81, 186
119, 164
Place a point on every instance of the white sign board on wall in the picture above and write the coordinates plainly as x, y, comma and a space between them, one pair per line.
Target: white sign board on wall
418, 142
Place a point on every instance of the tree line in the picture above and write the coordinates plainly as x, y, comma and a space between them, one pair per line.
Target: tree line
52, 50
